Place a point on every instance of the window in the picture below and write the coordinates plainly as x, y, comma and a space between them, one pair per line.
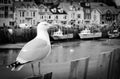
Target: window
1, 16
94, 17
54, 10
20, 13
27, 13
79, 16
56, 17
49, 17
31, 21
65, 17
23, 14
2, 8
9, 1
87, 11
45, 10
87, 4
22, 21
42, 17
5, 1
11, 15
33, 14
34, 22
1, 1
11, 23
11, 8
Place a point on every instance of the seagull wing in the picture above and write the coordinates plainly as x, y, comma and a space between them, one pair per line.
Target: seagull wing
34, 50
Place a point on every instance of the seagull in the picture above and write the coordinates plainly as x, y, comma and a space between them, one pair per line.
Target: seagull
35, 50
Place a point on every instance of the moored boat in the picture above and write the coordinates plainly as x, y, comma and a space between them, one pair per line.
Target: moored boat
114, 33
87, 34
59, 35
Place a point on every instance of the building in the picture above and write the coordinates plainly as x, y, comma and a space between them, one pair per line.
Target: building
60, 16
75, 13
118, 16
103, 14
87, 12
45, 14
95, 16
6, 13
26, 12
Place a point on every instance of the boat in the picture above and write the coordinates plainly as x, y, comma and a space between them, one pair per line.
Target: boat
59, 35
87, 34
114, 33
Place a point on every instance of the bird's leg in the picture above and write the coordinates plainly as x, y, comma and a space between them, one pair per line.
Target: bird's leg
39, 68
33, 69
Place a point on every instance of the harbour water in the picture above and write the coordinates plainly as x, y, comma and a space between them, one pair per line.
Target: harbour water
61, 54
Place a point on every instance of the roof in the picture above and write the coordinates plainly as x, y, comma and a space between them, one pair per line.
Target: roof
57, 11
67, 6
97, 4
25, 4
42, 6
102, 8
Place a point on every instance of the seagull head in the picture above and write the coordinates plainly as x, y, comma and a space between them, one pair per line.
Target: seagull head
44, 26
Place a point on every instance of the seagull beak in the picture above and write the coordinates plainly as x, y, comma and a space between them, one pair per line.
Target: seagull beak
51, 26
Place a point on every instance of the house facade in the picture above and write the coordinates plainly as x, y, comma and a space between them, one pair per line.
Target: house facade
44, 14
75, 13
65, 13
6, 13
26, 12
95, 16
87, 12
103, 14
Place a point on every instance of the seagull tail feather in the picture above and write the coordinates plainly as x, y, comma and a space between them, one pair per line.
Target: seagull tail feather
16, 66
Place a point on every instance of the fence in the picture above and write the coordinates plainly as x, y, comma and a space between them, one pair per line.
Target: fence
103, 66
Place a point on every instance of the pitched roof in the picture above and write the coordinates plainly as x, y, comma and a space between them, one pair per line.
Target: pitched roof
25, 4
102, 8
65, 6
97, 4
57, 11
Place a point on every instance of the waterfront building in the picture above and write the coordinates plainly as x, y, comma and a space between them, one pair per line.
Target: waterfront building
6, 13
26, 12
87, 12
65, 13
60, 16
118, 16
44, 13
75, 13
103, 14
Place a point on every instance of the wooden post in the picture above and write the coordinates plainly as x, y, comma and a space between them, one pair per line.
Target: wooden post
48, 76
114, 66
78, 69
102, 65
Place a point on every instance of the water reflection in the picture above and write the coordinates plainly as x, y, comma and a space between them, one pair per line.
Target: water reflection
64, 52
8, 56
